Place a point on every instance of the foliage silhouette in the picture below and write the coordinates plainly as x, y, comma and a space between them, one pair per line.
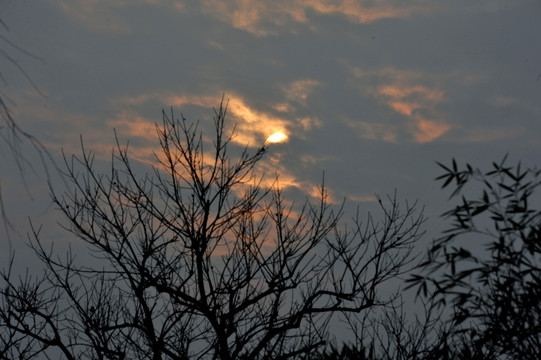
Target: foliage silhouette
487, 265
201, 259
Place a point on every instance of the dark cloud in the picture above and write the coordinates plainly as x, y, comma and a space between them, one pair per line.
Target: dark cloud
372, 93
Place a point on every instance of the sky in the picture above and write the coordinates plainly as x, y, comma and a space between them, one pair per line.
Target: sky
369, 93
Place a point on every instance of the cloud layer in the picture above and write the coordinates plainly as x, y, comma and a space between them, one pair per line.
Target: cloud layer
371, 92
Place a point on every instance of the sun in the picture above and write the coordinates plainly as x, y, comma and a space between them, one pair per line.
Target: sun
276, 138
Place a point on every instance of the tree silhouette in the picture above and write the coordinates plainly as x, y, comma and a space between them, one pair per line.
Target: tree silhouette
13, 136
11, 133
487, 265
200, 259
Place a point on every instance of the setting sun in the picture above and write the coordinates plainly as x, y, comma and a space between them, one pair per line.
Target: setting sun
276, 138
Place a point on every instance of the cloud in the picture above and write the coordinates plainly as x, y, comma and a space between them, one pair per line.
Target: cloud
362, 198
502, 101
431, 106
413, 95
428, 130
263, 18
283, 107
135, 126
106, 16
366, 11
412, 101
401, 89
96, 15
478, 134
258, 17
240, 14
300, 90
375, 131
404, 108
252, 127
60, 126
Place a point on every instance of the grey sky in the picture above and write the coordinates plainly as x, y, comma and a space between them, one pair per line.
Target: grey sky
371, 92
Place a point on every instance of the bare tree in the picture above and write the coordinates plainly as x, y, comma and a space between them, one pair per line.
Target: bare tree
200, 260
12, 135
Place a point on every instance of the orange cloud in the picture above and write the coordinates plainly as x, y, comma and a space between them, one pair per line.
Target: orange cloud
410, 100
427, 130
300, 90
404, 107
365, 13
262, 18
362, 198
401, 90
243, 14
135, 126
416, 96
403, 93
283, 107
252, 126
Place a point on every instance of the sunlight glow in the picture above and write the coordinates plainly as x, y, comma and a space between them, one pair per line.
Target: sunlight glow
276, 138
